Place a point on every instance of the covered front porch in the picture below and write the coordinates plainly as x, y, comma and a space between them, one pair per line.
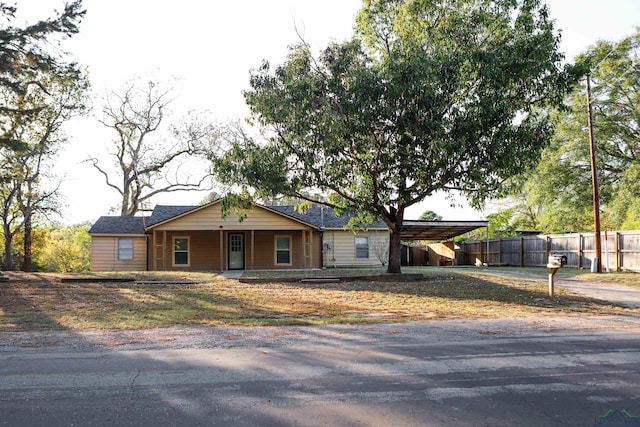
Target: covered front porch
234, 249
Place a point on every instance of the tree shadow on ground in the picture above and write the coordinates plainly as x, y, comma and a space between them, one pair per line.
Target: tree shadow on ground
20, 302
455, 288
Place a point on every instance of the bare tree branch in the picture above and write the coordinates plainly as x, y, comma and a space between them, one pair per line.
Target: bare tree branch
145, 153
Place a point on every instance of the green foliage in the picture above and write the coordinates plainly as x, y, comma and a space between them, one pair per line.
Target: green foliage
66, 249
624, 209
56, 248
26, 55
428, 96
237, 204
499, 224
39, 236
559, 189
28, 185
39, 91
430, 216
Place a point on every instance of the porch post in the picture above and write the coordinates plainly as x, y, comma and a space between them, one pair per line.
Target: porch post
164, 250
154, 250
221, 249
310, 248
252, 249
304, 248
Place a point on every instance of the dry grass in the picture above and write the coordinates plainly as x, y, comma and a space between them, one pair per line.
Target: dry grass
42, 301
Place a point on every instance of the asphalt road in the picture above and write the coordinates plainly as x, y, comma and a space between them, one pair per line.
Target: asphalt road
468, 373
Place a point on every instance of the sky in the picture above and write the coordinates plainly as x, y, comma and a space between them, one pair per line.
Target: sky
206, 49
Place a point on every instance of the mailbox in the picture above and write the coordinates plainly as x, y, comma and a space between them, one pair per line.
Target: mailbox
556, 261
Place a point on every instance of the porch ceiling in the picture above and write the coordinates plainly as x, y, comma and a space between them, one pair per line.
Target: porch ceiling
437, 230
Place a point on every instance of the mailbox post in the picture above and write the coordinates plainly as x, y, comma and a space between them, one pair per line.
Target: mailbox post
554, 262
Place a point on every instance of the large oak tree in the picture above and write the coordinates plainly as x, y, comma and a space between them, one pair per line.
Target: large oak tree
429, 95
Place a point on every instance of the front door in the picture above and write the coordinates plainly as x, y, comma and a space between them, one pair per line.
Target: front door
236, 251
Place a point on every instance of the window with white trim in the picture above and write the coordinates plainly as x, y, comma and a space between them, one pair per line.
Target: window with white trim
181, 251
283, 250
125, 249
362, 247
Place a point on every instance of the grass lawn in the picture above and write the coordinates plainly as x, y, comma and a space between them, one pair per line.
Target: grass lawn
622, 278
42, 301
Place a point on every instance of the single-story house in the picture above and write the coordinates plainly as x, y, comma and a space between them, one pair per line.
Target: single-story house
196, 238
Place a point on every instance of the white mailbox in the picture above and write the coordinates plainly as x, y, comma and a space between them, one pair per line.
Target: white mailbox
554, 262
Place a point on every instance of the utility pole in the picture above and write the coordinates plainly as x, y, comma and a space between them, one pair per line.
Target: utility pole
594, 181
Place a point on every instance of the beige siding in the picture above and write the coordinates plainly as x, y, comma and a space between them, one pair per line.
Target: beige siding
209, 218
264, 257
341, 248
104, 254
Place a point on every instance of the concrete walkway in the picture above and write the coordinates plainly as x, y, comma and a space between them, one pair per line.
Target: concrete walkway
232, 274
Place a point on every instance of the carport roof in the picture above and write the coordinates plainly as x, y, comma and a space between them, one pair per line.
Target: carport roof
437, 230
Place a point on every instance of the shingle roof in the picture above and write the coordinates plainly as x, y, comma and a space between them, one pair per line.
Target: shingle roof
317, 216
164, 212
321, 216
118, 225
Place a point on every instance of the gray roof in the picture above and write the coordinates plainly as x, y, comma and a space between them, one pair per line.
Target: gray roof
162, 213
118, 225
137, 224
321, 216
317, 216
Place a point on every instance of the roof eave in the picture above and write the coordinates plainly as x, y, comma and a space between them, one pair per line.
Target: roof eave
267, 208
117, 234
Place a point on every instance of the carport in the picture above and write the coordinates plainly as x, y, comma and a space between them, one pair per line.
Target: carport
441, 233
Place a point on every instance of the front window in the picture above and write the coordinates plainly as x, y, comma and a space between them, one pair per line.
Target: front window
362, 247
283, 250
125, 249
181, 251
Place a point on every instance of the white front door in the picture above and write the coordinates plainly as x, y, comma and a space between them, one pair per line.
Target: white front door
236, 251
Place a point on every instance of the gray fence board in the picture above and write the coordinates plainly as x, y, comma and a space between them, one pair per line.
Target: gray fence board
620, 250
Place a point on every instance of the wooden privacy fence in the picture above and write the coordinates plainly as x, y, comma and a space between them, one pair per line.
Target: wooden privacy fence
620, 250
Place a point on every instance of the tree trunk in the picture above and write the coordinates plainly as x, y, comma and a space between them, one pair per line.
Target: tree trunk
395, 252
8, 254
27, 245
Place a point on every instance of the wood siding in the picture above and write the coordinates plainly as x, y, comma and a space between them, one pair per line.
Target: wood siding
208, 236
210, 218
104, 254
340, 248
